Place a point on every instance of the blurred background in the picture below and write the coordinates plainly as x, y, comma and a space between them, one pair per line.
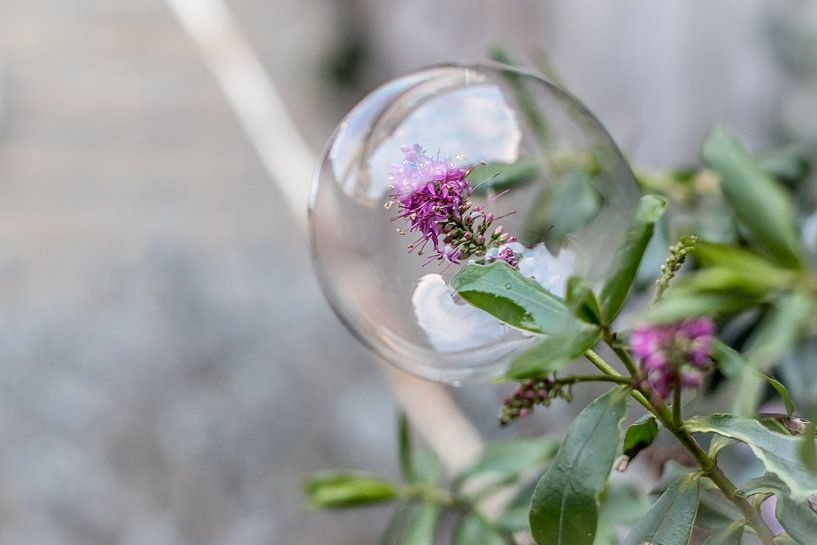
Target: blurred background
169, 370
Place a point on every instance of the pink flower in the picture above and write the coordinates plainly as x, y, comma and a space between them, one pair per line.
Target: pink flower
674, 354
451, 253
430, 193
433, 195
506, 254
521, 403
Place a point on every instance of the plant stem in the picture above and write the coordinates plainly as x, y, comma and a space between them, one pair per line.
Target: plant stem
610, 371
625, 358
677, 416
433, 494
601, 365
575, 379
611, 341
708, 465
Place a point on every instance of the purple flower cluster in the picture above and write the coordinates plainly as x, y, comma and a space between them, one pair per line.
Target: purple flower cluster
507, 255
674, 354
520, 404
433, 195
429, 192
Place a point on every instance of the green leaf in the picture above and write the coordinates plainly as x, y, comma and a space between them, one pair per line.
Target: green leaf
565, 505
640, 436
797, 517
672, 517
628, 255
798, 373
575, 204
421, 525
779, 330
538, 220
512, 458
747, 395
473, 530
747, 384
750, 266
581, 300
343, 489
790, 165
718, 443
397, 524
655, 256
730, 362
723, 280
770, 341
729, 535
775, 423
760, 204
502, 176
502, 291
672, 472
551, 354
778, 452
785, 539
623, 503
427, 467
782, 391
404, 448
714, 510
766, 484
731, 268
676, 306
808, 446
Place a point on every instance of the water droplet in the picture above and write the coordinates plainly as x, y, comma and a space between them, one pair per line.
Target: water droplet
508, 286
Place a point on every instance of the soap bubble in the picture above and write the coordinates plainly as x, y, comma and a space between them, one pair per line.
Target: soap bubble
540, 162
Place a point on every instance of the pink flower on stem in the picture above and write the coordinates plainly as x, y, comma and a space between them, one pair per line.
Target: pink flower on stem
433, 195
521, 403
674, 354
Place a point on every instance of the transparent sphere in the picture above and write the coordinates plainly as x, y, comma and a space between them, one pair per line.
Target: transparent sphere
539, 162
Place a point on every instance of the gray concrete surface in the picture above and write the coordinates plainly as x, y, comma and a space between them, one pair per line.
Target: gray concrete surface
163, 377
